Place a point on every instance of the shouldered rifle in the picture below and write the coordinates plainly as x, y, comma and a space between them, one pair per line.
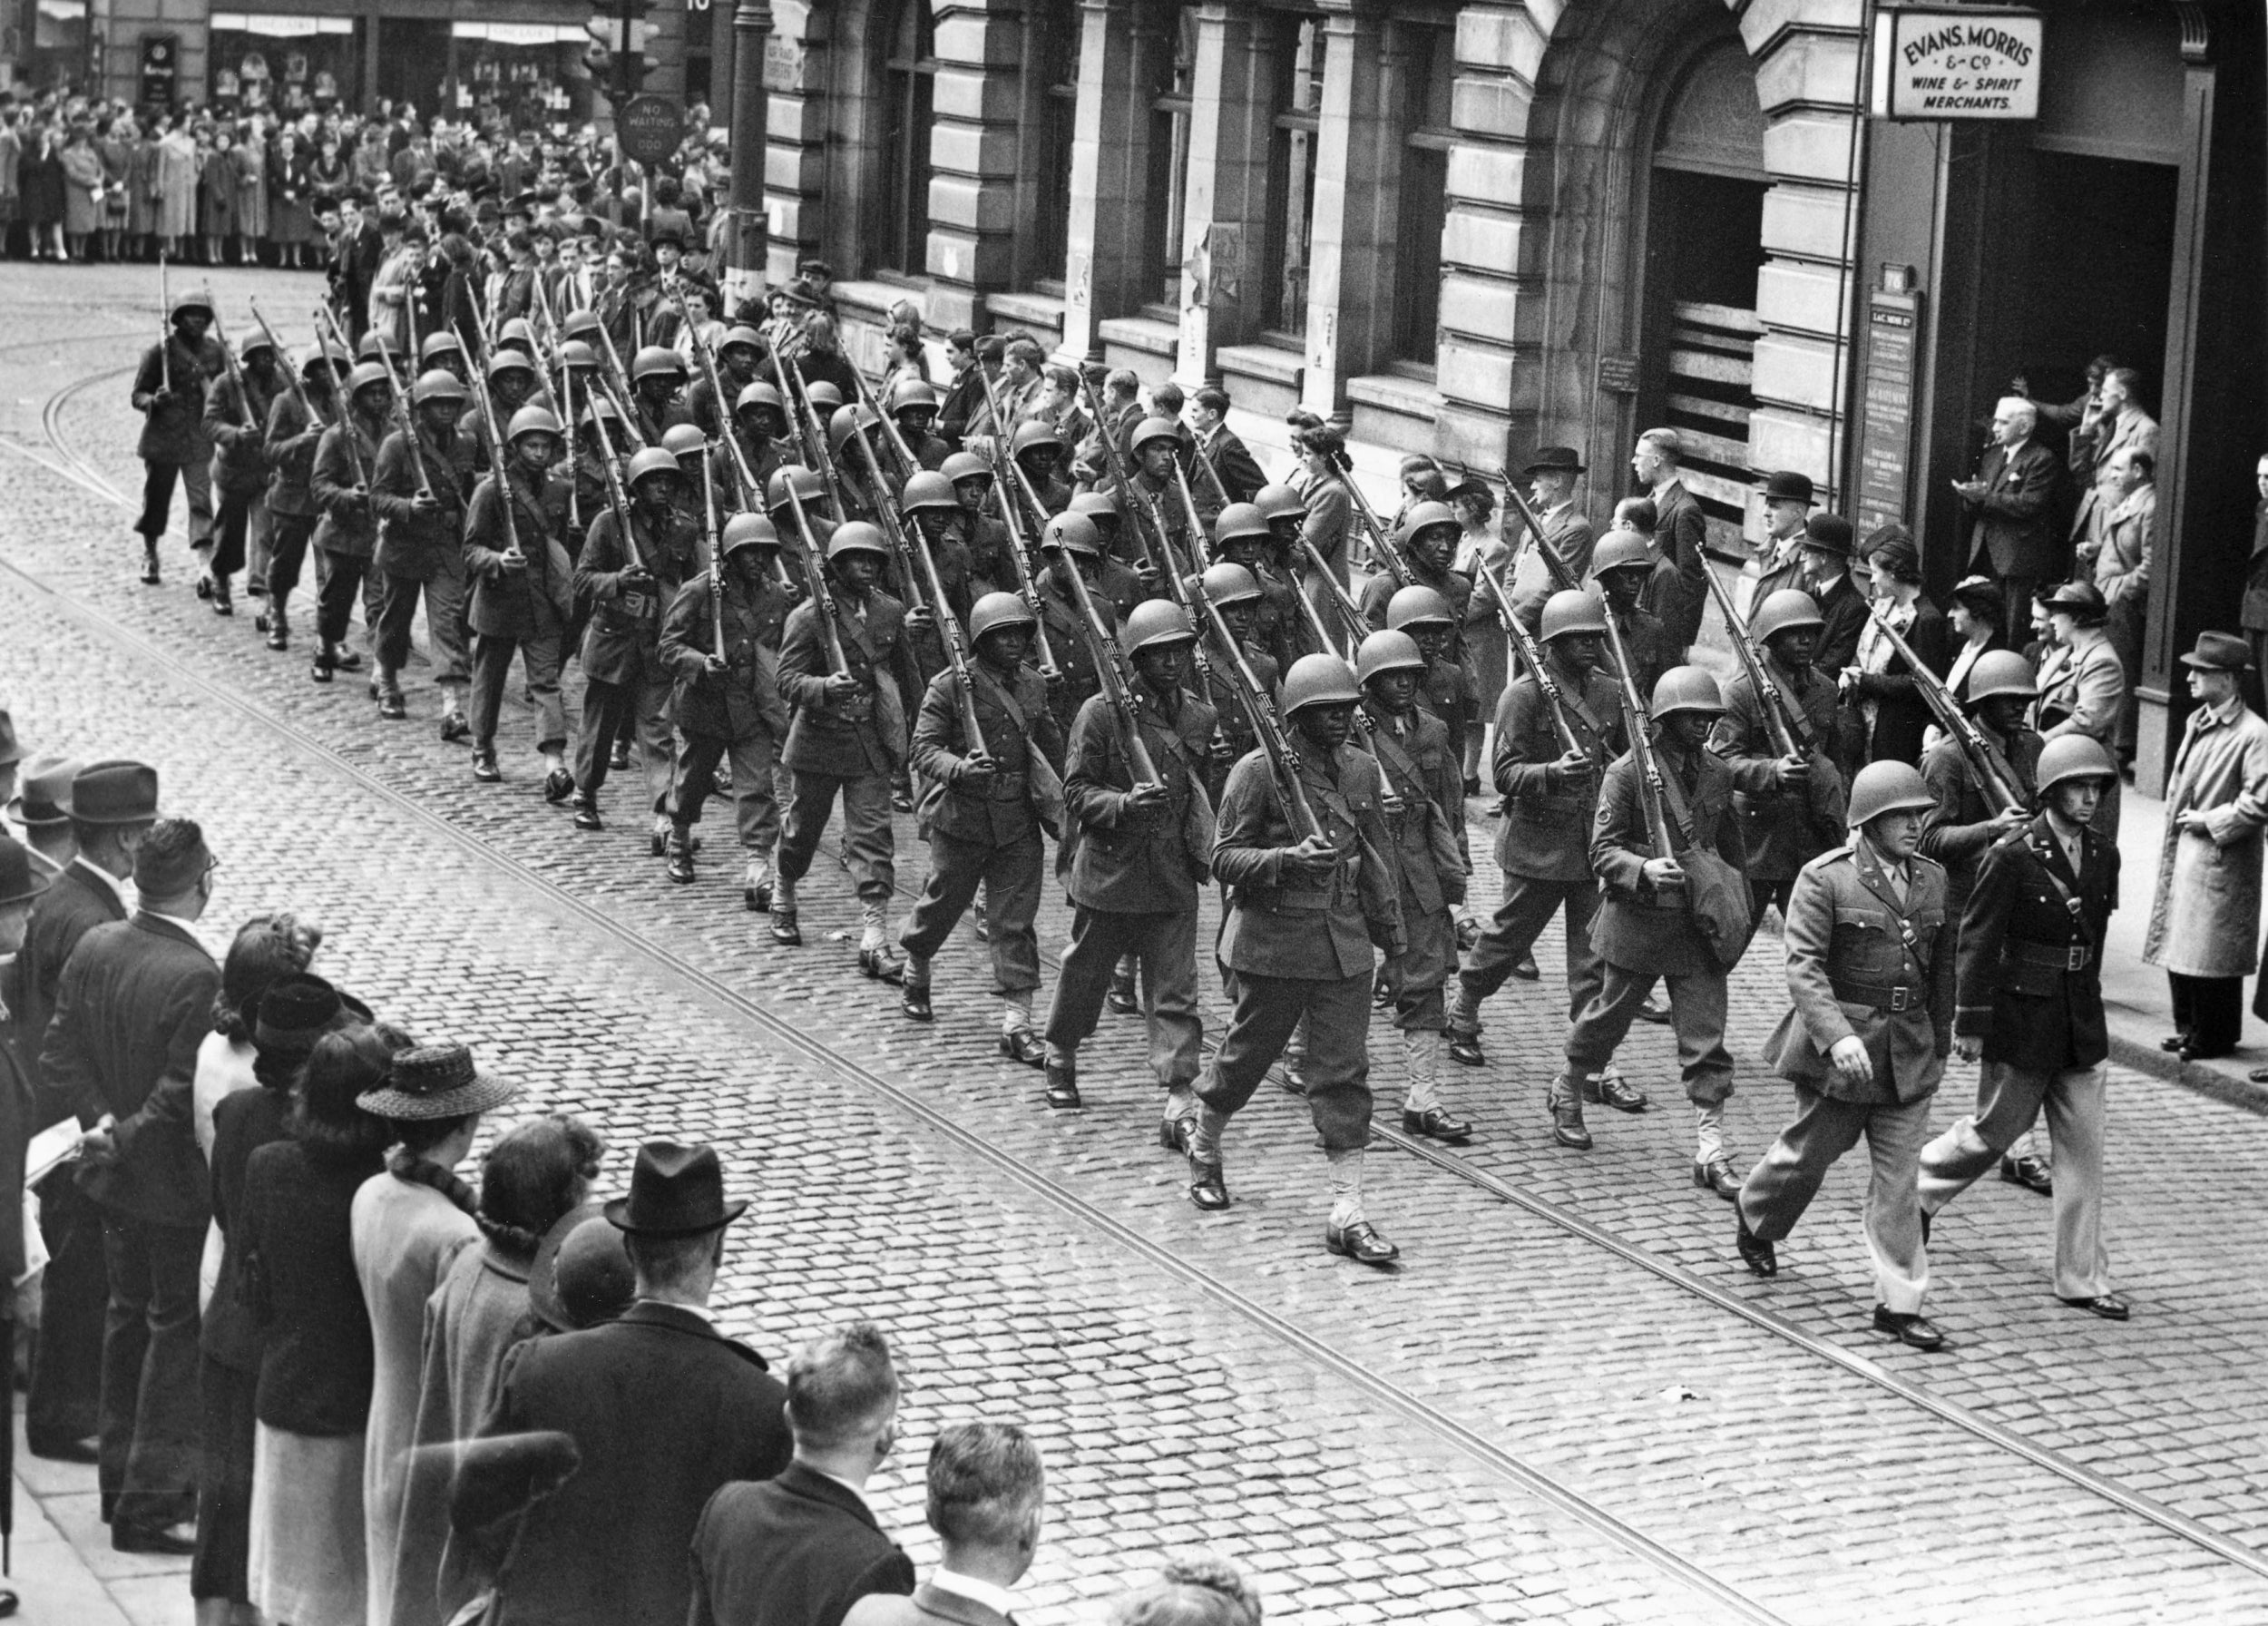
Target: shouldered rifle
1517, 504
815, 577
1205, 461
1388, 560
821, 459
1653, 791
1791, 729
715, 560
1027, 589
1149, 525
951, 633
909, 566
291, 373
399, 398
751, 499
165, 332
498, 470
1531, 655
619, 386
1112, 670
908, 465
787, 405
567, 408
236, 373
1200, 555
1995, 775
350, 431
1358, 625
1252, 695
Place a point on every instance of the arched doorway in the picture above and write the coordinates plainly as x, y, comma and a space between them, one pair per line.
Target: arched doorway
1705, 191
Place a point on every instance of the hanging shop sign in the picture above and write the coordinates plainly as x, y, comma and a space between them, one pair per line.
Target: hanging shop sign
1957, 63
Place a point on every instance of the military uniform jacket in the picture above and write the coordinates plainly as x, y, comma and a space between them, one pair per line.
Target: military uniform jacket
2030, 979
1133, 861
1070, 639
1863, 963
1379, 591
174, 432
1280, 925
1782, 828
236, 425
1647, 638
1637, 927
1232, 725
349, 527
1957, 830
623, 643
1020, 736
522, 604
417, 543
745, 699
1424, 772
291, 442
1547, 828
863, 733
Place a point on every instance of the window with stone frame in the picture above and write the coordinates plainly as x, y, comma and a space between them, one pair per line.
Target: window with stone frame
909, 71
1299, 52
1056, 36
1429, 61
1167, 195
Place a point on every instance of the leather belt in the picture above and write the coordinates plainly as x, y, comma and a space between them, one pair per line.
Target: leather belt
2063, 956
1894, 997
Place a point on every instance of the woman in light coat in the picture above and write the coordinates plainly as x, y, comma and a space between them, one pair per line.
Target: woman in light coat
82, 190
2206, 908
251, 195
173, 181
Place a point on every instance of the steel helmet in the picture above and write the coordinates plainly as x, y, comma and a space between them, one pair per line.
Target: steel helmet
1097, 505
965, 465
749, 531
926, 490
759, 394
1571, 610
1155, 622
1073, 533
805, 484
254, 344
1238, 521
1154, 428
1883, 788
320, 363
1319, 681
578, 356
653, 460
532, 420
1686, 689
1227, 583
683, 440
444, 343
519, 330
1387, 651
373, 348
1621, 550
192, 301
508, 361
741, 336
439, 384
1424, 515
1031, 433
1279, 501
856, 536
366, 374
600, 406
823, 396
1418, 607
580, 324
2001, 671
847, 421
1789, 607
996, 611
2072, 756
910, 395
653, 362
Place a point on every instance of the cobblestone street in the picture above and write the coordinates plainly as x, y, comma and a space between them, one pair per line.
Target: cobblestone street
1570, 1404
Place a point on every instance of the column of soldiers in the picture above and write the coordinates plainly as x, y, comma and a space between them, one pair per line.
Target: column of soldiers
1072, 620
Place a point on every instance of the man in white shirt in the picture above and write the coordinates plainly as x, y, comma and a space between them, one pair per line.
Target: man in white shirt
986, 1489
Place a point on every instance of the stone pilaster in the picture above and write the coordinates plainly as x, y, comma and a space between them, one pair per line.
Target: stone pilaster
1224, 217
1353, 217
977, 99
1107, 269
796, 118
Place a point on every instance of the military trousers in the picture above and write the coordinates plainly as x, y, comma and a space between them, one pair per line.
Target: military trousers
1697, 1003
1337, 1065
755, 802
1164, 947
1788, 1177
2009, 1099
1530, 902
156, 499
287, 550
231, 529
1010, 873
491, 666
869, 845
342, 584
638, 711
444, 596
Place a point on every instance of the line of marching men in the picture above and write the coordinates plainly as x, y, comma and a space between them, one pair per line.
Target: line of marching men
784, 590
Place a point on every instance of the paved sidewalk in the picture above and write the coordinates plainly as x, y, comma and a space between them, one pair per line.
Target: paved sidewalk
64, 1570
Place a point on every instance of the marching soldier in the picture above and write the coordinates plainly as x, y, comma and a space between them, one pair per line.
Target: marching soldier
418, 492
929, 505
657, 400
989, 542
1789, 806
1964, 820
295, 435
760, 423
1242, 537
1870, 975
1550, 805
236, 423
1237, 595
1156, 447
347, 534
2030, 1005
444, 350
740, 356
913, 406
628, 578
1305, 911
522, 594
1622, 565
1037, 450
727, 706
1447, 690
1649, 923
1071, 544
847, 739
993, 796
1427, 541
1128, 577
170, 392
1140, 849
1420, 769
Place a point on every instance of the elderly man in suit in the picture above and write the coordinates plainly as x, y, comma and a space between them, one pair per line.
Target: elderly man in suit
1826, 576
135, 1004
2112, 422
1553, 477
986, 1490
1788, 497
801, 1549
662, 1407
2013, 500
1681, 529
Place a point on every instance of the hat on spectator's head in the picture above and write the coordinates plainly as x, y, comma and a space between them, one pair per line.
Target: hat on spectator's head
293, 1011
20, 881
10, 751
1564, 460
436, 1080
1788, 485
43, 798
582, 1274
2219, 652
675, 1191
2081, 601
1827, 532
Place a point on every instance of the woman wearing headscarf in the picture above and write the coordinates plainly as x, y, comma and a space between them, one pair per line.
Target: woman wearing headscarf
297, 1273
410, 1222
534, 1176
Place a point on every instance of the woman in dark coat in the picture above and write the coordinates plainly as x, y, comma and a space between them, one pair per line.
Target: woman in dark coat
1976, 621
1879, 690
39, 180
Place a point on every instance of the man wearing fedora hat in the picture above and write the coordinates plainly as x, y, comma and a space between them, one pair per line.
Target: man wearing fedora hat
42, 810
135, 1004
1553, 475
1826, 576
663, 1408
21, 882
11, 753
1788, 498
2205, 911
112, 806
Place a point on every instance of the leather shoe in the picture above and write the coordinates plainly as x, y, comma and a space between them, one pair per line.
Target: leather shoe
2030, 1172
1360, 1242
1755, 1252
1716, 1175
784, 928
150, 575
1527, 970
454, 728
1121, 998
1464, 1049
2198, 1052
619, 758
1208, 1188
1436, 1124
1175, 1133
1912, 1331
1024, 1046
174, 1541
680, 868
1659, 1014
2173, 1041
2109, 1306
392, 706
1567, 1118
881, 964
1293, 1083
1615, 1092
757, 898
348, 660
484, 766
1062, 1083
587, 813
913, 1000
64, 1451
558, 786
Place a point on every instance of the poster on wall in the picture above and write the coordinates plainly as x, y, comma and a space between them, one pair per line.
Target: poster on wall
1963, 62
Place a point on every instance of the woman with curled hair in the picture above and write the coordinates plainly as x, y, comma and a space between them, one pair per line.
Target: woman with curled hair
1884, 703
266, 948
1196, 1589
534, 1176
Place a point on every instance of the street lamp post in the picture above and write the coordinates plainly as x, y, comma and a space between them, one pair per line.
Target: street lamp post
751, 26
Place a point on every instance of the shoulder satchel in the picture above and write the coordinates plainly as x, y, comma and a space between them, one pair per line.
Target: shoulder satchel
1716, 894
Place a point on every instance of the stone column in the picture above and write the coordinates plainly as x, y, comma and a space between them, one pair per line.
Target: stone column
794, 71
1353, 218
750, 243
975, 100
1225, 213
1106, 268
